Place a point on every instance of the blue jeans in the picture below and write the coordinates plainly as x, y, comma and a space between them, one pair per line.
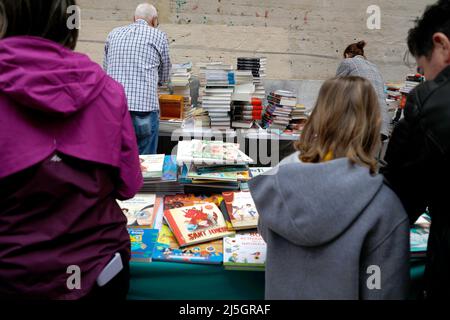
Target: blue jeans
146, 126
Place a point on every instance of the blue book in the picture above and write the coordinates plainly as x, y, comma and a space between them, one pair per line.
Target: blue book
170, 169
142, 243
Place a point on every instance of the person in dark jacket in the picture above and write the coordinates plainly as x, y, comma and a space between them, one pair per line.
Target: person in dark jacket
67, 152
333, 229
418, 155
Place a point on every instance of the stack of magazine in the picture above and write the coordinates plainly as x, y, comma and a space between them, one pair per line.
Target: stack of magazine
212, 165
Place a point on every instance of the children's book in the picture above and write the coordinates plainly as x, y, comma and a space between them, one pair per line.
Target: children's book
197, 224
143, 241
167, 249
152, 166
186, 200
244, 251
241, 210
139, 210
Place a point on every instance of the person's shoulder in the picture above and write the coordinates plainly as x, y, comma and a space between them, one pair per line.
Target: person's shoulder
116, 31
293, 158
390, 200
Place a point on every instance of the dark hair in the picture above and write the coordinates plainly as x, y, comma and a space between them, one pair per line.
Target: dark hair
355, 49
436, 18
40, 18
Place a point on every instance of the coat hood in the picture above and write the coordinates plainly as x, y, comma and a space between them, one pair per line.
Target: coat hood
314, 203
40, 74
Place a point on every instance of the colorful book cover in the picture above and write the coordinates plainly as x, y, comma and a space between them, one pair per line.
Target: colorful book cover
187, 200
197, 224
152, 165
170, 169
140, 211
143, 241
244, 251
167, 249
241, 209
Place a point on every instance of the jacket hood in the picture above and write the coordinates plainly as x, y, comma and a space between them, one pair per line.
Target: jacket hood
312, 204
40, 74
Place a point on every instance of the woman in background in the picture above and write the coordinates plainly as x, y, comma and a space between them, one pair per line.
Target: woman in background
355, 63
333, 229
68, 150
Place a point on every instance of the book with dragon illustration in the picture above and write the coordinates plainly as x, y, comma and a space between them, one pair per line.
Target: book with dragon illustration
197, 224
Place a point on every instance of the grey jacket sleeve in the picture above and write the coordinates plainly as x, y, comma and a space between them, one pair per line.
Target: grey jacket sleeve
384, 273
345, 68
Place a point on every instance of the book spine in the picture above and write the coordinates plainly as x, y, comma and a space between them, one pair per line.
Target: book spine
174, 227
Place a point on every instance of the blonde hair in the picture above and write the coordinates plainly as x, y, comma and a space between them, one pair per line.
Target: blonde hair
345, 122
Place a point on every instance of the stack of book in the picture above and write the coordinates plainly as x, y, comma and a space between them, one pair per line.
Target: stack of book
299, 119
393, 95
412, 81
144, 215
212, 164
160, 174
216, 89
257, 66
244, 114
180, 85
198, 118
278, 113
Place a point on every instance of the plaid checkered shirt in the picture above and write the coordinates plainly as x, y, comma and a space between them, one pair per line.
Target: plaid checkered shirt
137, 56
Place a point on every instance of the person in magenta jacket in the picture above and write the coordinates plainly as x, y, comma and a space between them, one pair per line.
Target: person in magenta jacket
67, 152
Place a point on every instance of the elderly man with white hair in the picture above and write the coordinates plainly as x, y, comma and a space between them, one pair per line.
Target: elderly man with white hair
137, 56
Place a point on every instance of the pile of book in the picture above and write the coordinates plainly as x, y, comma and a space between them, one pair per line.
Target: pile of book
212, 165
160, 174
144, 215
187, 228
246, 108
197, 118
245, 113
257, 66
299, 119
412, 81
216, 88
278, 113
180, 85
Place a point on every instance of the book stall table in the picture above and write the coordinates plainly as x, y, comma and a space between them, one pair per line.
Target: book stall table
225, 270
178, 281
